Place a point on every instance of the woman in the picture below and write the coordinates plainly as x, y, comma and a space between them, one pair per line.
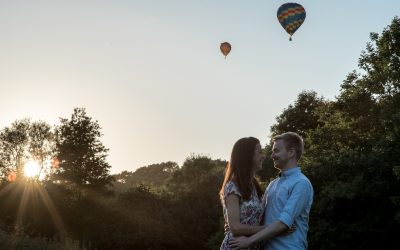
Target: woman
241, 194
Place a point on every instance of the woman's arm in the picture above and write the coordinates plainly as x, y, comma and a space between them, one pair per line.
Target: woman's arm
233, 211
269, 232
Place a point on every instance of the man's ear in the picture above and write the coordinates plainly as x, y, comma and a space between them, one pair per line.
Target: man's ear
291, 152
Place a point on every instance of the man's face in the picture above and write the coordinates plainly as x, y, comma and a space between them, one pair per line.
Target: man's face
279, 155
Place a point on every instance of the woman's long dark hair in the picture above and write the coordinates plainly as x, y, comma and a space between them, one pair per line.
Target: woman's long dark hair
240, 168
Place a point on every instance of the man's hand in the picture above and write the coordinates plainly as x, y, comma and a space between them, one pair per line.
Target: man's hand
239, 243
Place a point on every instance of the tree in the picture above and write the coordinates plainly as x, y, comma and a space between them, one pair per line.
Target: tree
41, 146
300, 117
25, 141
81, 154
196, 204
13, 145
353, 153
154, 175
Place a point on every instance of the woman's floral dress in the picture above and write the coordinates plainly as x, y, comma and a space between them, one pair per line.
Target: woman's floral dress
251, 212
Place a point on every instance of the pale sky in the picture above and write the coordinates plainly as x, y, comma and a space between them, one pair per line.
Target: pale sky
152, 74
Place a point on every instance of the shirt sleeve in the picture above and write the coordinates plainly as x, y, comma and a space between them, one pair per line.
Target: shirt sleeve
230, 188
298, 201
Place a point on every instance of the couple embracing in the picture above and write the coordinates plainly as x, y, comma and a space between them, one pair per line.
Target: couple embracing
277, 218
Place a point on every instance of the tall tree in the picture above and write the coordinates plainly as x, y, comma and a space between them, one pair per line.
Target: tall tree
300, 117
81, 154
41, 146
352, 151
13, 146
26, 141
353, 154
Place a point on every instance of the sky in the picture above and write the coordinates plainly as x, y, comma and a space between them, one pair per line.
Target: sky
151, 73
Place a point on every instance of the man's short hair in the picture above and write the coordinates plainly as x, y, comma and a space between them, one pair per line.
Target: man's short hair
292, 141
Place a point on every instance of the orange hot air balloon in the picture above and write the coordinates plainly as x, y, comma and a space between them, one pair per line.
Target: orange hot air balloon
11, 177
225, 48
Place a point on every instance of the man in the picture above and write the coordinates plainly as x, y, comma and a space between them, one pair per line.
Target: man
288, 200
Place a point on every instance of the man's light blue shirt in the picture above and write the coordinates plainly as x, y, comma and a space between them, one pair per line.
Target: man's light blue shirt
289, 199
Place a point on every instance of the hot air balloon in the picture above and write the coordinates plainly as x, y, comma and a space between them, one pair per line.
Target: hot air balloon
291, 16
225, 48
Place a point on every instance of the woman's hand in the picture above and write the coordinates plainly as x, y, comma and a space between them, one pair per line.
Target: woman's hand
239, 243
289, 231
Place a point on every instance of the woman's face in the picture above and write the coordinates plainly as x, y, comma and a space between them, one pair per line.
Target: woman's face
258, 157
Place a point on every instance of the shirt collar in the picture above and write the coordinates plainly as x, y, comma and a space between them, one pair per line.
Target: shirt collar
290, 172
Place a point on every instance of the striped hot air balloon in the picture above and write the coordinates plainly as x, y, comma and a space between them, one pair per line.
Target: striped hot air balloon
291, 16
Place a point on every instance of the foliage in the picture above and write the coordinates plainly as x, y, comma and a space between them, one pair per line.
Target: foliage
25, 140
81, 154
300, 117
353, 151
155, 176
13, 141
23, 241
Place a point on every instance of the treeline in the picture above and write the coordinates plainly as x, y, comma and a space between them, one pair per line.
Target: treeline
163, 206
352, 159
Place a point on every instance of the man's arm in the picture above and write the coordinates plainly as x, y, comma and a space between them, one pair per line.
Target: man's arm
297, 202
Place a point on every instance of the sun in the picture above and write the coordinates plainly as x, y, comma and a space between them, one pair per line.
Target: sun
32, 169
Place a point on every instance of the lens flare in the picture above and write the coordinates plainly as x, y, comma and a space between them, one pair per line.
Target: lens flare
11, 177
55, 163
31, 169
